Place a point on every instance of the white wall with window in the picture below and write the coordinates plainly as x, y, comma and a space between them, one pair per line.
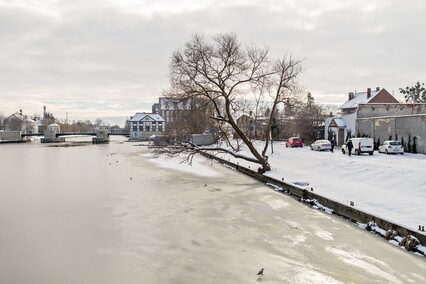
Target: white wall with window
144, 125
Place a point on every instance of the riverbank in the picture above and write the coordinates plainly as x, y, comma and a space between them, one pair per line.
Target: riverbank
387, 186
396, 234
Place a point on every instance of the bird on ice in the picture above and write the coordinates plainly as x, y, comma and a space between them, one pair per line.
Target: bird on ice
260, 272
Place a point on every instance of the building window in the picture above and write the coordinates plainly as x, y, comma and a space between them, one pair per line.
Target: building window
154, 128
147, 128
135, 128
160, 128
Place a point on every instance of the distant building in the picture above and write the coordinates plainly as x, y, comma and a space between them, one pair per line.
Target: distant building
143, 125
52, 130
171, 109
345, 124
102, 131
155, 108
20, 122
50, 134
102, 134
403, 122
47, 120
40, 125
54, 127
253, 127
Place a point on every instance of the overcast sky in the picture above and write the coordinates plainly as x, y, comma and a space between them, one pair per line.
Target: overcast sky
104, 58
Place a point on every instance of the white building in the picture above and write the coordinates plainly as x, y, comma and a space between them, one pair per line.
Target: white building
143, 125
345, 124
52, 130
102, 131
19, 122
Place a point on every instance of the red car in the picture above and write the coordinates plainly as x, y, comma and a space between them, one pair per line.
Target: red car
294, 142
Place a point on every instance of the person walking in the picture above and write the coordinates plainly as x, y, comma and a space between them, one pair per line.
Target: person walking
350, 147
333, 143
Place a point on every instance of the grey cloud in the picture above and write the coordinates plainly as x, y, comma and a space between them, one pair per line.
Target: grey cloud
84, 51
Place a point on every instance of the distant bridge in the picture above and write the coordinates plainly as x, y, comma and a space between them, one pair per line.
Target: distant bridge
124, 133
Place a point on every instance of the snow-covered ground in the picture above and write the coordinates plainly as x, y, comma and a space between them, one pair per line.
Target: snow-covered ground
389, 186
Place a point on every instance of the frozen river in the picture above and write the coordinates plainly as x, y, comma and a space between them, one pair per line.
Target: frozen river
82, 215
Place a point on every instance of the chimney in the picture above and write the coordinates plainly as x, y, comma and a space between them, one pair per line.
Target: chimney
44, 111
368, 93
351, 95
377, 89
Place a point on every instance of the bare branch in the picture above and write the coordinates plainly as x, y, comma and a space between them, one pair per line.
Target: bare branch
227, 75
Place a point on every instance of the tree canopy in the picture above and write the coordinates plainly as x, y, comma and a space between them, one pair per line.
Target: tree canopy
414, 94
229, 77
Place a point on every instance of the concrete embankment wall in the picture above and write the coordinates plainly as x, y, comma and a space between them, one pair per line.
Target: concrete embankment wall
52, 140
346, 211
14, 136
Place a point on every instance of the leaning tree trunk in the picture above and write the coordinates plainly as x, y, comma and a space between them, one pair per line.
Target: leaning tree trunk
262, 160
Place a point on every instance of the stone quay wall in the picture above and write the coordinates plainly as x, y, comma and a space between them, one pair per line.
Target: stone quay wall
346, 211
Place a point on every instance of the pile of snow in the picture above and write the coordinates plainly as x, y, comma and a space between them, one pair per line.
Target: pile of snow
410, 243
315, 204
274, 187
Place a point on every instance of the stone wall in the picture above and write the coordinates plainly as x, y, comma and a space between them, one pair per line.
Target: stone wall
14, 136
50, 134
102, 134
379, 110
143, 135
202, 139
401, 128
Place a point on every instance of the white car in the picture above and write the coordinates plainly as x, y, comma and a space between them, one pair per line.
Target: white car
321, 145
391, 146
360, 145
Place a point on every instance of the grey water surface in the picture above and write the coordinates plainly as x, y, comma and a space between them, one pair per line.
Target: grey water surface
86, 215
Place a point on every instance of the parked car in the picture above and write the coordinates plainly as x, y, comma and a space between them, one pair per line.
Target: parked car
321, 145
361, 145
391, 146
294, 142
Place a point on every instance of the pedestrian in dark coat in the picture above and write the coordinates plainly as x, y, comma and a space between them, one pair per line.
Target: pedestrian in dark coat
350, 146
333, 143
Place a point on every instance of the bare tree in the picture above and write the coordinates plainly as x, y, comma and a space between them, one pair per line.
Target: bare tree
98, 121
309, 120
127, 125
2, 120
282, 87
224, 73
